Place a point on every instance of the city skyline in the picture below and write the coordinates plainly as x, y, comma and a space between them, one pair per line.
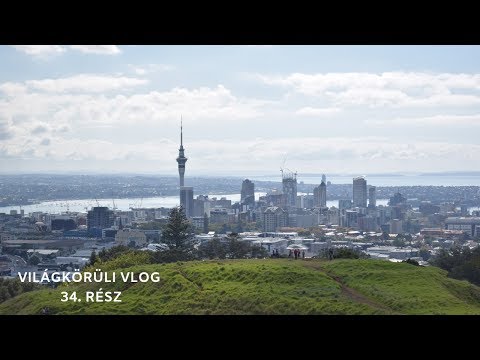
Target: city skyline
326, 109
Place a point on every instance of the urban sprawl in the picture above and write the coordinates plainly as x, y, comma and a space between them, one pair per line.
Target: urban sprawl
281, 220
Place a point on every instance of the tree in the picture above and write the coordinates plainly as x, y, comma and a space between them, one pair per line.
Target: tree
93, 258
178, 235
152, 225
34, 260
258, 251
424, 253
463, 264
213, 249
398, 242
237, 249
344, 253
103, 254
304, 233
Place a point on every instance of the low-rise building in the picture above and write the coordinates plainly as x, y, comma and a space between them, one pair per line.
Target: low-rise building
127, 236
470, 225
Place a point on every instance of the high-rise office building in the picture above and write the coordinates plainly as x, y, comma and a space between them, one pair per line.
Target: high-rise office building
360, 192
289, 182
324, 178
323, 194
372, 197
186, 200
320, 195
201, 206
248, 193
100, 217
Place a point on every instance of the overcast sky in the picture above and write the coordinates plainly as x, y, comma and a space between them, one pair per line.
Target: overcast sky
326, 109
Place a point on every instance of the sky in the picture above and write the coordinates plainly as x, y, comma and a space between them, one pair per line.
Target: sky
246, 110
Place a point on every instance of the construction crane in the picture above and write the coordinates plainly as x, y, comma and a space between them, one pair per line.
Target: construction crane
283, 164
113, 201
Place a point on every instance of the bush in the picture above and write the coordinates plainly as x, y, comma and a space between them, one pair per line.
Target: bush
344, 253
12, 287
411, 261
34, 260
462, 264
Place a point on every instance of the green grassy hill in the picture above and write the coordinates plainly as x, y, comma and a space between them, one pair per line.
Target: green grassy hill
270, 286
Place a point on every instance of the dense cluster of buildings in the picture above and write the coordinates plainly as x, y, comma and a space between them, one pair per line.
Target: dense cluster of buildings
274, 221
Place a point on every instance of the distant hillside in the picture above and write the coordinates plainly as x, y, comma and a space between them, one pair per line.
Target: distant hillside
271, 286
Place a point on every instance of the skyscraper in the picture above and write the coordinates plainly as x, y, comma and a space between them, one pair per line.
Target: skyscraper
186, 200
320, 195
372, 197
360, 192
181, 159
248, 193
100, 217
289, 182
324, 178
323, 194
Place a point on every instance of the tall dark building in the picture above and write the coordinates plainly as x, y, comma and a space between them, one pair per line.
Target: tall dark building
372, 197
186, 200
360, 192
248, 193
320, 195
181, 159
289, 182
100, 217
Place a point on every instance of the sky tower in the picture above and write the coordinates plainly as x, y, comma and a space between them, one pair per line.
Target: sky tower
181, 159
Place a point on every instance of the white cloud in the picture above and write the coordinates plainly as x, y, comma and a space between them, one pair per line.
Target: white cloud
47, 51
12, 89
430, 121
40, 51
257, 155
400, 89
85, 83
58, 115
97, 49
309, 111
150, 68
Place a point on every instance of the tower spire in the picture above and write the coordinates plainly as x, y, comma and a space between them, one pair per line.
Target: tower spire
181, 159
181, 131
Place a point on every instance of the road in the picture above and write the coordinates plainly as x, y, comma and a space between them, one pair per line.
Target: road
16, 261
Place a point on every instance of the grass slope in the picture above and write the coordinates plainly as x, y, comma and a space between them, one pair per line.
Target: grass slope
270, 286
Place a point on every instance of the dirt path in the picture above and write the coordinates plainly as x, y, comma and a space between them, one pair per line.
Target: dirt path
350, 293
180, 271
